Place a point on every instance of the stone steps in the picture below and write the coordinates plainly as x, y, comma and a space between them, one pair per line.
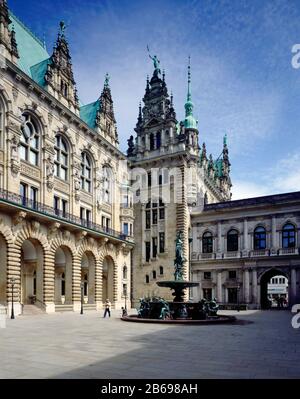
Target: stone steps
31, 310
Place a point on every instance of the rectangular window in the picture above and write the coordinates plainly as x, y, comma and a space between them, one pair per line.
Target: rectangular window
161, 213
108, 223
232, 274
88, 214
23, 193
125, 229
33, 197
148, 219
64, 207
207, 275
154, 216
149, 179
56, 205
82, 214
103, 221
148, 251
161, 242
124, 289
154, 247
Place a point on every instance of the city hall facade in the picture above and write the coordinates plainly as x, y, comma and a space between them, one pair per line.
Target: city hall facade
76, 228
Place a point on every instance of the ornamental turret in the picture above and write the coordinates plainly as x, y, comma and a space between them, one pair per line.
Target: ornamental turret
189, 126
7, 35
59, 76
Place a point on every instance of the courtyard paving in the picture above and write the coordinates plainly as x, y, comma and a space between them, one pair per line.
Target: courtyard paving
71, 345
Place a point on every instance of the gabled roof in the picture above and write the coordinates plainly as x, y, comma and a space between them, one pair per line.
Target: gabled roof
31, 49
88, 113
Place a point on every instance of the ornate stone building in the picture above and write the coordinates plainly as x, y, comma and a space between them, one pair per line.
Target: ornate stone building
238, 246
175, 176
65, 210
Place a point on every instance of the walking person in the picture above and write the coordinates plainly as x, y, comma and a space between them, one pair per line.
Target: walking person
107, 308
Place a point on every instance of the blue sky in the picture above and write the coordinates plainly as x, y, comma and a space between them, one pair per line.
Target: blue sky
243, 83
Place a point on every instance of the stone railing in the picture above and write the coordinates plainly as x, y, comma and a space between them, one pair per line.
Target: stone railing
28, 204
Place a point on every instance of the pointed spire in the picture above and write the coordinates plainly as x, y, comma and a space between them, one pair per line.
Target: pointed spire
106, 81
14, 45
189, 96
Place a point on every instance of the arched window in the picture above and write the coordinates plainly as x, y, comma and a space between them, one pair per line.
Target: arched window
125, 272
232, 240
161, 270
86, 172
288, 236
61, 158
147, 279
207, 243
154, 274
30, 140
107, 181
260, 238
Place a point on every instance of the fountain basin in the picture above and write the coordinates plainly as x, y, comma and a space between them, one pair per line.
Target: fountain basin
208, 321
178, 287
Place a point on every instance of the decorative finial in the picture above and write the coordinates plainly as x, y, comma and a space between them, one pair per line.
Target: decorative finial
189, 80
63, 27
171, 102
106, 81
225, 139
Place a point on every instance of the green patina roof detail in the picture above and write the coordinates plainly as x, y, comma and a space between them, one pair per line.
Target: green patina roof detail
34, 60
189, 122
88, 113
218, 167
31, 49
38, 72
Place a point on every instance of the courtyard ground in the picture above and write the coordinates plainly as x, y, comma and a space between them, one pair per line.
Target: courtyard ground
70, 345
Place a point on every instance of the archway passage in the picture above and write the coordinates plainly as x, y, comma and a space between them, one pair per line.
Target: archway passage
63, 276
88, 266
32, 259
108, 279
274, 288
3, 271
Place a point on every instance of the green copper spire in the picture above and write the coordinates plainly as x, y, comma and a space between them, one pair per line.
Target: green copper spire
189, 122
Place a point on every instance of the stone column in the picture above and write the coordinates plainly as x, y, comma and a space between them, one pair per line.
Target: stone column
245, 238
246, 286
274, 236
293, 286
254, 286
76, 292
98, 283
219, 241
143, 216
219, 286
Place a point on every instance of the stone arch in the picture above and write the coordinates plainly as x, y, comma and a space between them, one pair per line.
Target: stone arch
263, 280
7, 102
88, 276
69, 249
63, 268
44, 264
69, 138
33, 110
110, 286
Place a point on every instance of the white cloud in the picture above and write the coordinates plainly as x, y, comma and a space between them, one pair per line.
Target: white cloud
248, 189
281, 178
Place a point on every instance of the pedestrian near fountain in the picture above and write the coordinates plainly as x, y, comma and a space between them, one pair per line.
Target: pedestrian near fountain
107, 308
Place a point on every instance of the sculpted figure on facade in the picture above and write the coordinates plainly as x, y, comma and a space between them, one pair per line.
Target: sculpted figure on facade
14, 155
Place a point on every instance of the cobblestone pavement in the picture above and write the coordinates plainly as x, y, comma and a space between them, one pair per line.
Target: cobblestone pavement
87, 346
